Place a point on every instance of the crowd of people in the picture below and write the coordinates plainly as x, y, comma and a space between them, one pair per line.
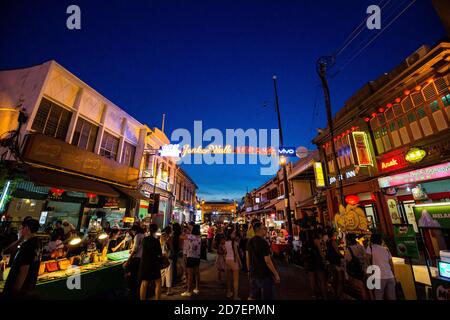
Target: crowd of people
161, 260
333, 262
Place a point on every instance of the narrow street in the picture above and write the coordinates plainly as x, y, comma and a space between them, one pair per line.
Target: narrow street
294, 283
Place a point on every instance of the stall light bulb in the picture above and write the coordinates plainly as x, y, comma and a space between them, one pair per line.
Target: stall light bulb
75, 241
102, 236
408, 189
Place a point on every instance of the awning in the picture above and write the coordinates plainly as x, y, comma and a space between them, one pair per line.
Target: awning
69, 182
133, 193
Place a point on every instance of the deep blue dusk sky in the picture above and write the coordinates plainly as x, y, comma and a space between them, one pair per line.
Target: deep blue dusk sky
213, 61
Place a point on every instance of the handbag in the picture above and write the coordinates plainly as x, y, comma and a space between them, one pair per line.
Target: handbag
165, 263
354, 268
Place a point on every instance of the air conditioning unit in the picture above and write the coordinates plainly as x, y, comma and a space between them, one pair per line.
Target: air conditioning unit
416, 56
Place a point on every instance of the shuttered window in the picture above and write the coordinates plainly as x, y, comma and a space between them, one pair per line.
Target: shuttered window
110, 146
128, 154
51, 119
85, 135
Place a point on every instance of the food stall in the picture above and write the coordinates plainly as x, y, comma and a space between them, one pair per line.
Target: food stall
80, 277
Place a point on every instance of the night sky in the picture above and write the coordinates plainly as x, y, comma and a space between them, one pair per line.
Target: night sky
214, 60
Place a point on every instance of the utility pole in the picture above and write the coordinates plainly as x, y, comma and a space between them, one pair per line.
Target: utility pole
287, 205
163, 122
322, 64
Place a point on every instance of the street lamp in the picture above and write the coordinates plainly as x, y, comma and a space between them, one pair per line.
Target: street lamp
282, 161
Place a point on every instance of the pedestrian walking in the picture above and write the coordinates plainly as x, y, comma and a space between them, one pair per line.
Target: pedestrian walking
177, 254
220, 260
134, 261
24, 270
210, 237
314, 262
335, 258
262, 272
193, 251
356, 265
167, 250
381, 257
243, 246
150, 266
233, 265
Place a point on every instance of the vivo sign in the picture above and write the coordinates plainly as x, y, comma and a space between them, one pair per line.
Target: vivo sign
287, 151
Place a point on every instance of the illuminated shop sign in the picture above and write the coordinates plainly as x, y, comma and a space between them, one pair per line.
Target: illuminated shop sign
415, 155
170, 150
287, 151
430, 173
348, 175
362, 148
318, 173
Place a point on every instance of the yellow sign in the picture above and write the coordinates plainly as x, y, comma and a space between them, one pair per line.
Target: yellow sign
362, 148
128, 220
415, 155
318, 172
351, 219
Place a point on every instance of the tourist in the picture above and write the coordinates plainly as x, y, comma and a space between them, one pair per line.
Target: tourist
134, 260
210, 237
193, 250
167, 250
177, 254
356, 259
54, 248
314, 261
58, 230
243, 246
381, 257
220, 260
233, 264
24, 270
262, 272
335, 258
149, 269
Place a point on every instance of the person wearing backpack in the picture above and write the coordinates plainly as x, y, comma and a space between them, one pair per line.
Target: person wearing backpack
335, 259
356, 264
381, 257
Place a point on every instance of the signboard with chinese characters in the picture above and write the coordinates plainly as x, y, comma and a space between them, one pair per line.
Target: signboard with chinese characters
393, 211
362, 148
318, 173
430, 173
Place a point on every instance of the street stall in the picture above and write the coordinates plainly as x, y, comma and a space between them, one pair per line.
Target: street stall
80, 277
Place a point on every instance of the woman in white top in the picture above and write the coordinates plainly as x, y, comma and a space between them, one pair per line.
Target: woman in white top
233, 265
135, 259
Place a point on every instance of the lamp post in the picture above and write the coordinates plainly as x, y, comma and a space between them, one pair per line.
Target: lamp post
283, 162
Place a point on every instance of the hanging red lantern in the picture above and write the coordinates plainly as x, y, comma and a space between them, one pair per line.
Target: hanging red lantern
57, 191
417, 88
398, 100
352, 199
389, 105
406, 92
91, 195
374, 115
430, 80
367, 119
372, 196
381, 110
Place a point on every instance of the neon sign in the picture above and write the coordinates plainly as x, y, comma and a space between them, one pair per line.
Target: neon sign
392, 163
362, 148
415, 155
430, 173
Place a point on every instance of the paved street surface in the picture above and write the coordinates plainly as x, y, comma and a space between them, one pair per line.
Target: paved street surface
294, 284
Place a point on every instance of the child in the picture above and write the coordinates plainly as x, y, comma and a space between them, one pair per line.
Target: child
220, 261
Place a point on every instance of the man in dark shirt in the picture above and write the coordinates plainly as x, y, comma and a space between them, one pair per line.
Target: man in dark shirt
24, 271
261, 269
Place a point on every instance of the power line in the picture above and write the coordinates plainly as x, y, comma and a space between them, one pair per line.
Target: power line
362, 28
372, 40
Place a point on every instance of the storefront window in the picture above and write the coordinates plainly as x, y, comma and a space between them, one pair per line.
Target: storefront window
58, 210
128, 154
